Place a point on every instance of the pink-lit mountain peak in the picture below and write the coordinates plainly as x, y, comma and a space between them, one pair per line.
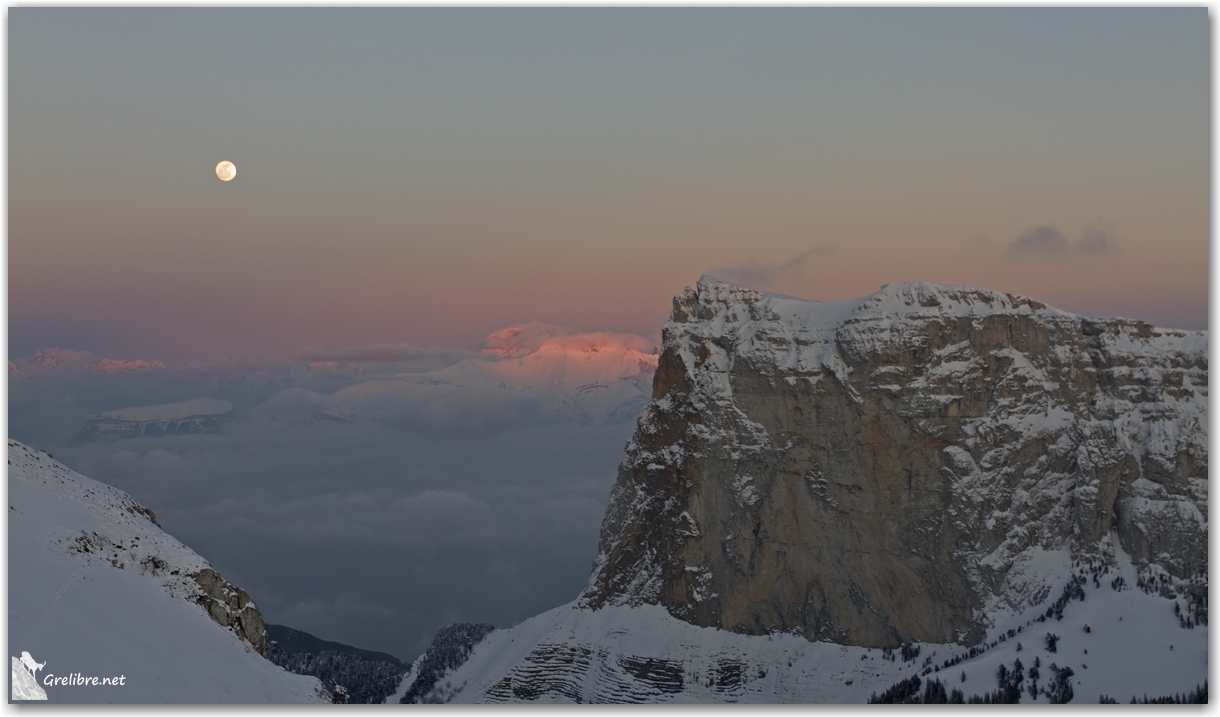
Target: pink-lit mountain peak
61, 359
539, 355
523, 339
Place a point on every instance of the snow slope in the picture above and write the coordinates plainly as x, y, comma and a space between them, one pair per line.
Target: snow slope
96, 589
1135, 647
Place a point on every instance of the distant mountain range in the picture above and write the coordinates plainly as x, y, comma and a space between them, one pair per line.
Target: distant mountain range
532, 374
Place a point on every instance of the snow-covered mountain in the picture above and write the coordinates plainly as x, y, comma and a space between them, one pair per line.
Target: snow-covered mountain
532, 372
814, 485
200, 415
98, 590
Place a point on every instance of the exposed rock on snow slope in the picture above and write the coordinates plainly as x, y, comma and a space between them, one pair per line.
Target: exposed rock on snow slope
930, 463
96, 588
201, 415
898, 467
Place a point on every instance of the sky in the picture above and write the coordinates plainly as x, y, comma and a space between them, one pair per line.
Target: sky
411, 181
432, 175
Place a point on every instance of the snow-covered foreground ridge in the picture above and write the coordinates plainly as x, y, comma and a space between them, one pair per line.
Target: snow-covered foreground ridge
1134, 646
97, 589
928, 464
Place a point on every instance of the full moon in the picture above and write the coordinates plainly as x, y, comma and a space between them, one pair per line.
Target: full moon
226, 171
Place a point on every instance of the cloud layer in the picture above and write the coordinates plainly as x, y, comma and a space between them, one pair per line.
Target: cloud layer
435, 497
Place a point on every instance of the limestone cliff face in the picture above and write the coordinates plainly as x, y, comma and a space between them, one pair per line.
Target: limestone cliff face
231, 607
901, 466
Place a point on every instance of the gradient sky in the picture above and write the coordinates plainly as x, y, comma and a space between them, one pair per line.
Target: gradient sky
428, 176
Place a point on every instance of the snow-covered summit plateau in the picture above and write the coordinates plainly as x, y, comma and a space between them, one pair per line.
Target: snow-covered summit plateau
200, 415
97, 589
929, 465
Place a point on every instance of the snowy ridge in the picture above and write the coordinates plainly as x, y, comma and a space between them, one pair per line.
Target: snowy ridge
800, 333
1134, 646
97, 588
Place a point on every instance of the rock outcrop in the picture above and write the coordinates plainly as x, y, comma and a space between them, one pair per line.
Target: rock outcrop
902, 466
231, 607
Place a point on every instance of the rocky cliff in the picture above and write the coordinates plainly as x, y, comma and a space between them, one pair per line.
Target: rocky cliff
231, 607
903, 466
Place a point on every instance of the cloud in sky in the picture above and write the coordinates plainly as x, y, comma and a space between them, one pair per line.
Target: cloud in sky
1046, 241
1041, 240
1094, 241
764, 276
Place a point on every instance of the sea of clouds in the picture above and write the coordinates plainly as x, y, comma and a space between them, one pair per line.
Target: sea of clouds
481, 504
